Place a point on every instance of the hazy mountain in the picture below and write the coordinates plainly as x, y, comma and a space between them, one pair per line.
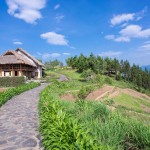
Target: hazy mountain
147, 67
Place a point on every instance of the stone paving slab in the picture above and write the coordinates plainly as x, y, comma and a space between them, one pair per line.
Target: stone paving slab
19, 121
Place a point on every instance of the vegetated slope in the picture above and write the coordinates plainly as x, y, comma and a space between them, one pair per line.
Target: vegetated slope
112, 92
87, 124
120, 95
128, 98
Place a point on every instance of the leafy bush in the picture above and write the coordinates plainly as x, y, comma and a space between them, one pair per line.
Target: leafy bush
84, 91
88, 74
8, 94
109, 101
99, 80
108, 80
11, 81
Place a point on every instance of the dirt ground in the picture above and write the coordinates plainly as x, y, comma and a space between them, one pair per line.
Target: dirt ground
113, 92
100, 93
109, 91
68, 97
3, 89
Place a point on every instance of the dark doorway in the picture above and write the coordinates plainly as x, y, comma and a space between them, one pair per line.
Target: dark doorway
16, 73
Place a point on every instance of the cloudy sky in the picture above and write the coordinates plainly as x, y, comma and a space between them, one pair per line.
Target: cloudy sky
50, 29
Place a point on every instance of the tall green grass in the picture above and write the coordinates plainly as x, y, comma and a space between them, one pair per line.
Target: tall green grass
59, 129
86, 125
8, 94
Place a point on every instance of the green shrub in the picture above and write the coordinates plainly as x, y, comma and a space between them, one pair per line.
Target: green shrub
11, 81
84, 91
108, 80
99, 80
8, 94
88, 74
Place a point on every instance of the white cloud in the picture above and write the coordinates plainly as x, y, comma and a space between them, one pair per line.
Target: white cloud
118, 19
110, 37
135, 31
66, 54
124, 25
145, 47
117, 39
54, 55
50, 55
122, 39
17, 43
72, 47
126, 17
141, 14
59, 18
110, 54
27, 10
129, 32
56, 6
54, 38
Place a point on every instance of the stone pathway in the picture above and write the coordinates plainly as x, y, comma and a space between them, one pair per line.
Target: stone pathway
19, 122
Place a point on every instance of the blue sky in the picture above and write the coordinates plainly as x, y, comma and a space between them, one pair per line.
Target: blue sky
50, 29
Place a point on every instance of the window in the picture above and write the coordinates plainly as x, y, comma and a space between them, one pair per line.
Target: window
7, 73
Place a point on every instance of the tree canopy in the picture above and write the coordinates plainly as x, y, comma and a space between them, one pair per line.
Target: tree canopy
120, 70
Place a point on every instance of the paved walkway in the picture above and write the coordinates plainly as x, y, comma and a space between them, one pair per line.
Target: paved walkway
19, 122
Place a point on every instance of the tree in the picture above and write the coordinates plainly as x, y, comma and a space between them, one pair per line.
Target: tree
93, 63
52, 64
117, 68
122, 69
82, 63
72, 62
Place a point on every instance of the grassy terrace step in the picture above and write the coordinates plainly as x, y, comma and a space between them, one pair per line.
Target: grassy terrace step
8, 94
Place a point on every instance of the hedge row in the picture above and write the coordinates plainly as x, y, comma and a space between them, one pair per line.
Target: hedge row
8, 94
11, 81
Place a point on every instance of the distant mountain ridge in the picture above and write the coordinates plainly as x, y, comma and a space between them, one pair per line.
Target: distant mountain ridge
147, 67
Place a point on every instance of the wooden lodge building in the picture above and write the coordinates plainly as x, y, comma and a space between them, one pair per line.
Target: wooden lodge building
20, 63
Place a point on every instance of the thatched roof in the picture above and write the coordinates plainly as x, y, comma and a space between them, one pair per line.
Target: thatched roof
29, 56
14, 57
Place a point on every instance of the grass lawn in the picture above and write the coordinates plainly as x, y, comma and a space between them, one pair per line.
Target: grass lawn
72, 74
52, 74
127, 101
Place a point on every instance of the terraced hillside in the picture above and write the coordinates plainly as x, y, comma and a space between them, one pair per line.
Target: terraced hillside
92, 115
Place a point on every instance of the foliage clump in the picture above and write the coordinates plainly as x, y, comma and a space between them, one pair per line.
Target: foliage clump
11, 81
108, 80
84, 91
88, 75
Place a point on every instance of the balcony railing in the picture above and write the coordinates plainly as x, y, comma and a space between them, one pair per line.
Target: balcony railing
17, 67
